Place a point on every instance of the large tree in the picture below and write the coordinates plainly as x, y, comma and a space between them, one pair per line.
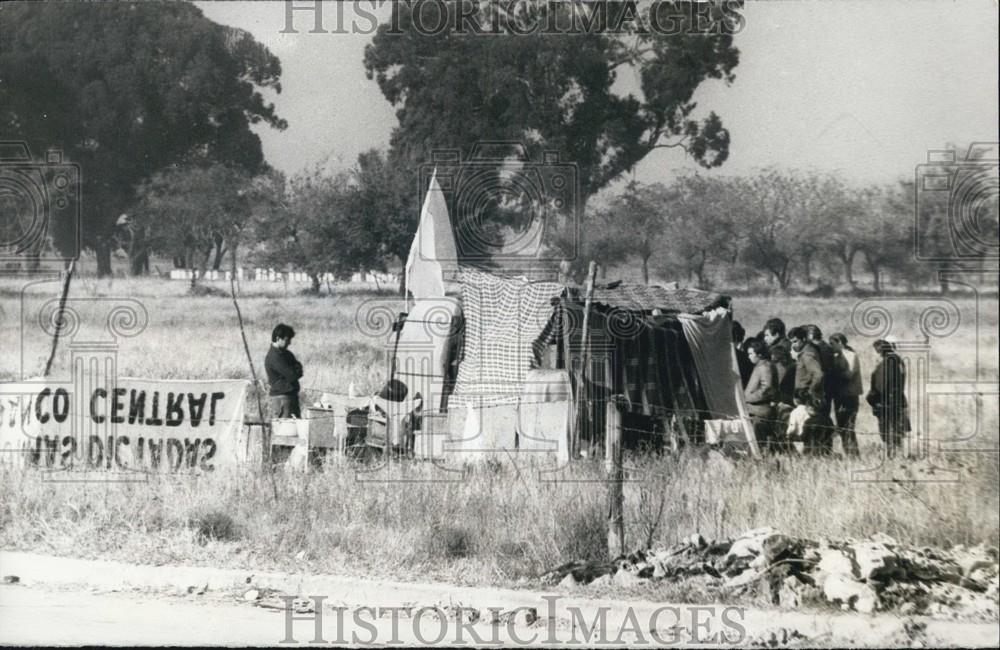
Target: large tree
554, 92
326, 226
701, 223
127, 89
780, 218
196, 212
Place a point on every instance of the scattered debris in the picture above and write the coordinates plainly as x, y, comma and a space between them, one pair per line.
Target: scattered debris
869, 575
11, 580
779, 637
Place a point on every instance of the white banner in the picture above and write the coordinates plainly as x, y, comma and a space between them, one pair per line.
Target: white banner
138, 425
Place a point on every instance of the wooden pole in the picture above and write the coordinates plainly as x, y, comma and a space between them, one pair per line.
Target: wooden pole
582, 403
614, 466
265, 429
567, 364
59, 317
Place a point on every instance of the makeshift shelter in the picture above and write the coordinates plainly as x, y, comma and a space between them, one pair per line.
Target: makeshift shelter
660, 358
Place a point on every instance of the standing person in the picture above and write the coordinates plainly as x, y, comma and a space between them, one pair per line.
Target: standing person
809, 376
847, 391
779, 350
760, 392
743, 362
815, 336
887, 396
283, 373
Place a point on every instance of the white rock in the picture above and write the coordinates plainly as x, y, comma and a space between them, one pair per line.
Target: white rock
251, 595
749, 544
602, 581
626, 579
846, 590
569, 581
872, 559
742, 579
834, 562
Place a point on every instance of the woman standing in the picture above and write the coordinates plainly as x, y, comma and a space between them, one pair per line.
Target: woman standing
760, 391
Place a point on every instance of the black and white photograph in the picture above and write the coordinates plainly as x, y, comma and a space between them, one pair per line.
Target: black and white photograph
538, 323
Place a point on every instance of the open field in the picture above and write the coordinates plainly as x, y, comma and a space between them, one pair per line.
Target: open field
496, 526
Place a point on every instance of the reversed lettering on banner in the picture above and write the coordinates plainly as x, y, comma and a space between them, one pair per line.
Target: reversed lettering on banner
137, 425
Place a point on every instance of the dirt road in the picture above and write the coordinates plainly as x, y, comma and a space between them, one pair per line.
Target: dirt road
67, 601
42, 616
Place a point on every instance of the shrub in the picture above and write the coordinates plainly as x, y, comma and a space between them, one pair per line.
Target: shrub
214, 525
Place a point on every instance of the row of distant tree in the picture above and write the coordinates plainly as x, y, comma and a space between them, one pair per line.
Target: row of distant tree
316, 222
781, 228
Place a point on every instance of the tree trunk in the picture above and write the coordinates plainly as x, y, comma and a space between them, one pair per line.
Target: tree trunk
848, 260
784, 278
645, 269
102, 251
315, 282
807, 264
220, 251
179, 262
943, 283
700, 271
138, 262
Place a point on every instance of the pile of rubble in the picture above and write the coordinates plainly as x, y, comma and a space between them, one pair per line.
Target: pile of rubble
874, 574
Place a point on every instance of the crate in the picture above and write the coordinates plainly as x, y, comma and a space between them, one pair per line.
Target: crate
320, 427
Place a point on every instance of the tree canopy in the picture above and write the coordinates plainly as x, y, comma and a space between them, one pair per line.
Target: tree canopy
553, 92
127, 89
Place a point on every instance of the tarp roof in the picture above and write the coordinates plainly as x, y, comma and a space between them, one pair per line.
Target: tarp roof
630, 296
646, 298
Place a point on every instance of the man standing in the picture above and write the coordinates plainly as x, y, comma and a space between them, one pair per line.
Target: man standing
809, 376
887, 396
779, 349
848, 389
815, 336
283, 373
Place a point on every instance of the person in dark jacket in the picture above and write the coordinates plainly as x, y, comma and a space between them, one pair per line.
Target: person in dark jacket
743, 362
283, 373
847, 391
760, 393
779, 350
809, 375
826, 359
887, 397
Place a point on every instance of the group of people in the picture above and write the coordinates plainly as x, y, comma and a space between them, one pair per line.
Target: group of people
794, 380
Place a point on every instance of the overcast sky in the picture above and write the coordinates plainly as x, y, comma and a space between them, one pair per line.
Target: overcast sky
861, 87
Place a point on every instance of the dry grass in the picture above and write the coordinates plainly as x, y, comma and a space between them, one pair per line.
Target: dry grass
496, 525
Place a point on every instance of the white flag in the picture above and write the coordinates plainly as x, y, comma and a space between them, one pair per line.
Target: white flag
433, 249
